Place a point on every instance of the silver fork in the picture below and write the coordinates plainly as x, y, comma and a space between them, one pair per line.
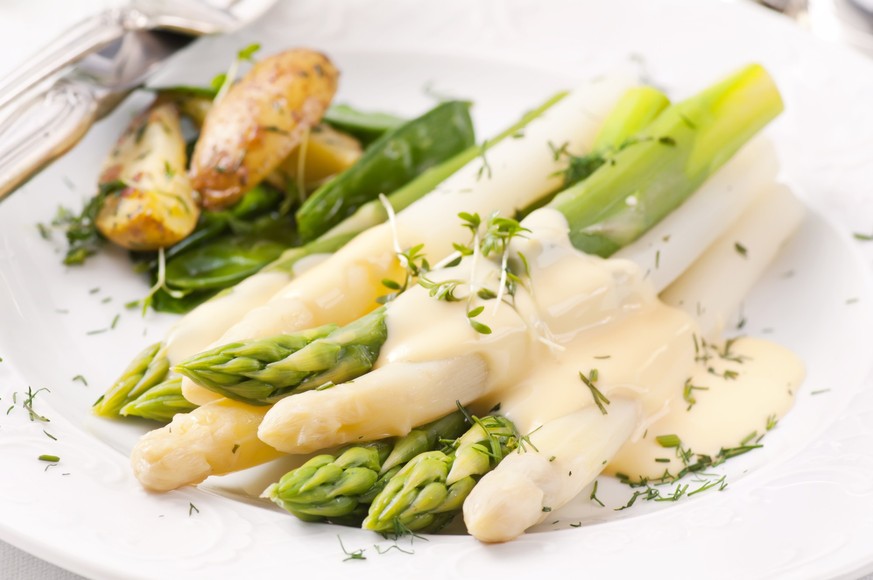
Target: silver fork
190, 17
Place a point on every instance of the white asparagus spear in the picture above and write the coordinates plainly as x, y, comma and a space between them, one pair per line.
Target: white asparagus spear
385, 402
219, 438
509, 176
206, 323
675, 242
561, 459
714, 286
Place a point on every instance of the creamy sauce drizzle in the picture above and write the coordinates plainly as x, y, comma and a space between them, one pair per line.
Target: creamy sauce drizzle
579, 313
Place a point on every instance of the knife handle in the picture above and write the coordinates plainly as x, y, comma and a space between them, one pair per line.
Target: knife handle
42, 129
80, 40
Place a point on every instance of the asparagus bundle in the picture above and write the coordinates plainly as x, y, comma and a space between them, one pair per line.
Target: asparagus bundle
427, 492
165, 458
292, 363
635, 109
356, 411
658, 169
412, 483
504, 177
160, 403
342, 486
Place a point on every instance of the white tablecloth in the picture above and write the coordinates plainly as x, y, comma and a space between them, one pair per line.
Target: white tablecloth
18, 565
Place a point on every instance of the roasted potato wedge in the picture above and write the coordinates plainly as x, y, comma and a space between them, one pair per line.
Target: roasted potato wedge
257, 124
149, 202
322, 155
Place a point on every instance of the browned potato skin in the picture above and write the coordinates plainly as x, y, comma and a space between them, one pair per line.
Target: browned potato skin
158, 206
259, 122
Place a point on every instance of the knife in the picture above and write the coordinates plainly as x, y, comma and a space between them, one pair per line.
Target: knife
47, 125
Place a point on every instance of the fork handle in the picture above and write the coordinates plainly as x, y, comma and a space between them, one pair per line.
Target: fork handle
42, 129
78, 41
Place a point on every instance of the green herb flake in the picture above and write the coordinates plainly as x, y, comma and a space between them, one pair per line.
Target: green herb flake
599, 398
44, 231
741, 249
218, 81
479, 327
28, 404
192, 509
668, 441
720, 483
49, 458
593, 496
354, 555
688, 393
249, 51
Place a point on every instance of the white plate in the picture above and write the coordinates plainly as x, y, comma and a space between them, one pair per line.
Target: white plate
800, 507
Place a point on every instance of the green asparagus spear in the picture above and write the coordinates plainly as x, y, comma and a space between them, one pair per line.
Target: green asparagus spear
266, 370
393, 160
328, 486
425, 438
673, 156
482, 447
635, 110
145, 371
339, 488
427, 492
159, 403
418, 497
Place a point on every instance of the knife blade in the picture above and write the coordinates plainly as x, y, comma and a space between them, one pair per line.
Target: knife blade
47, 125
